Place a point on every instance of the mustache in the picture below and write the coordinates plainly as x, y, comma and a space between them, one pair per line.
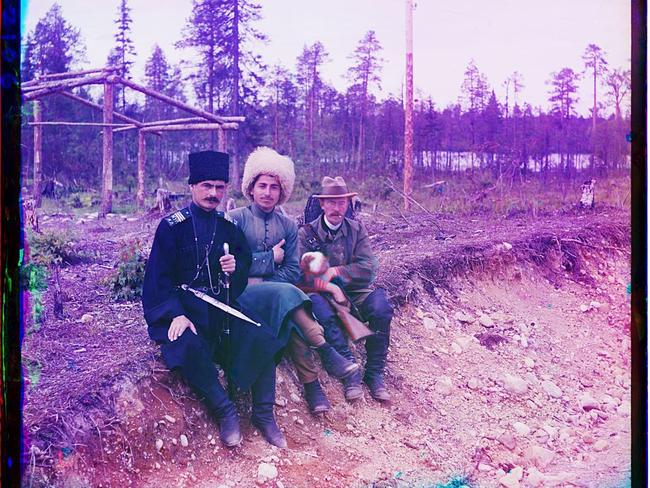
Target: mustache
212, 199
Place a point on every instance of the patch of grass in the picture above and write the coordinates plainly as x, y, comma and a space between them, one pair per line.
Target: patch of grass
33, 279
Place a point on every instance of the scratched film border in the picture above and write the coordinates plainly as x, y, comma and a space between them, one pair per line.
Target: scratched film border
11, 235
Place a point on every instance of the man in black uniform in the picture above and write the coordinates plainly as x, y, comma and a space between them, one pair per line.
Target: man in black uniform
188, 249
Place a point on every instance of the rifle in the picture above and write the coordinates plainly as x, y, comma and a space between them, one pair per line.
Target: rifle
356, 329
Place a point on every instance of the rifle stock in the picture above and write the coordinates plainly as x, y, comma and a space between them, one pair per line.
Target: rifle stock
356, 329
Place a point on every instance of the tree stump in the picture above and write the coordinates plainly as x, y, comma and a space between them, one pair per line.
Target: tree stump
31, 216
163, 203
587, 198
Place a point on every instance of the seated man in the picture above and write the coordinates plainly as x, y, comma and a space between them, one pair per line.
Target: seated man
188, 249
353, 266
268, 182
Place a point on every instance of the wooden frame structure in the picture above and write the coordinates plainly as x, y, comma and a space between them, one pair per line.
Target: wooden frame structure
62, 83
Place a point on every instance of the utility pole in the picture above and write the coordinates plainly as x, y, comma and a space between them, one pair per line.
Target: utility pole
408, 102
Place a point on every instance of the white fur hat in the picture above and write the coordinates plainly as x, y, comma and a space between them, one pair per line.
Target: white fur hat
264, 160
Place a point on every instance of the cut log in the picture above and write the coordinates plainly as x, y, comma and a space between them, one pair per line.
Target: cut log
587, 199
163, 203
31, 215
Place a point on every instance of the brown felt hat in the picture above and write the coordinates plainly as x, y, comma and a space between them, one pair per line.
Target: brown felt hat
334, 188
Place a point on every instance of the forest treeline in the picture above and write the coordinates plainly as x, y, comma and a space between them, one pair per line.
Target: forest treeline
292, 108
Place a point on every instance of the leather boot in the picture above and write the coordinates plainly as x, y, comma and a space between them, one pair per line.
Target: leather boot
229, 432
263, 395
334, 363
352, 386
316, 398
376, 351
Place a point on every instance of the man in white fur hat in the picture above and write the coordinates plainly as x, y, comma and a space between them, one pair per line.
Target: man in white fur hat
268, 182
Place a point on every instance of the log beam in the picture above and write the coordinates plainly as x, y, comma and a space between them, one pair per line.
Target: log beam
44, 89
141, 162
107, 157
191, 127
38, 154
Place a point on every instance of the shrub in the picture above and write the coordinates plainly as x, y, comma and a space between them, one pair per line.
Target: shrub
53, 248
126, 284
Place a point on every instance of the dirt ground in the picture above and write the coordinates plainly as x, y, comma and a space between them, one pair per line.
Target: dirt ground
509, 366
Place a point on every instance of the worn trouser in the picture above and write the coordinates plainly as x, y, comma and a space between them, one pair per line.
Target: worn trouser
377, 311
302, 354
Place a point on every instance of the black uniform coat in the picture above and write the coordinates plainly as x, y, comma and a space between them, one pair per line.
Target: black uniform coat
172, 262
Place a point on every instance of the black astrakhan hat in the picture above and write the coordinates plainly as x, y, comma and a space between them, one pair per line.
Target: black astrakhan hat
208, 165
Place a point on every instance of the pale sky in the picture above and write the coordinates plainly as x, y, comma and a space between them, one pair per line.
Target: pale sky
533, 37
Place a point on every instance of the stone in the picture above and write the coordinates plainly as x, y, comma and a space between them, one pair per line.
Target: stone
429, 323
521, 428
463, 317
534, 477
624, 409
523, 341
507, 246
600, 445
515, 384
551, 389
595, 305
587, 402
511, 480
174, 442
528, 362
538, 455
281, 402
444, 385
266, 472
584, 308
170, 419
472, 383
295, 398
464, 341
159, 444
455, 348
184, 441
541, 436
486, 321
484, 467
85, 318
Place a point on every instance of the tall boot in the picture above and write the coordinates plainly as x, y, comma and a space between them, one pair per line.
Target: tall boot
263, 394
352, 386
201, 374
376, 352
334, 363
316, 399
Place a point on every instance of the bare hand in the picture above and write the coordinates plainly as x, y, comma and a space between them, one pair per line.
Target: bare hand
328, 275
337, 293
278, 252
228, 263
178, 326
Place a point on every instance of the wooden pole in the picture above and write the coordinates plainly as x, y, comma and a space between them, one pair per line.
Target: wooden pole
48, 88
83, 124
190, 127
141, 161
221, 140
169, 100
38, 154
69, 74
99, 107
107, 160
408, 119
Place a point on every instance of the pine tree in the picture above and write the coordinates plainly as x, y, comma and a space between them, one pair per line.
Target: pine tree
308, 65
363, 74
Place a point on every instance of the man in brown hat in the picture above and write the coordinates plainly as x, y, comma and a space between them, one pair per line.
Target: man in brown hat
352, 270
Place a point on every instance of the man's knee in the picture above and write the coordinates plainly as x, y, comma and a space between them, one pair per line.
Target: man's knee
321, 309
377, 306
